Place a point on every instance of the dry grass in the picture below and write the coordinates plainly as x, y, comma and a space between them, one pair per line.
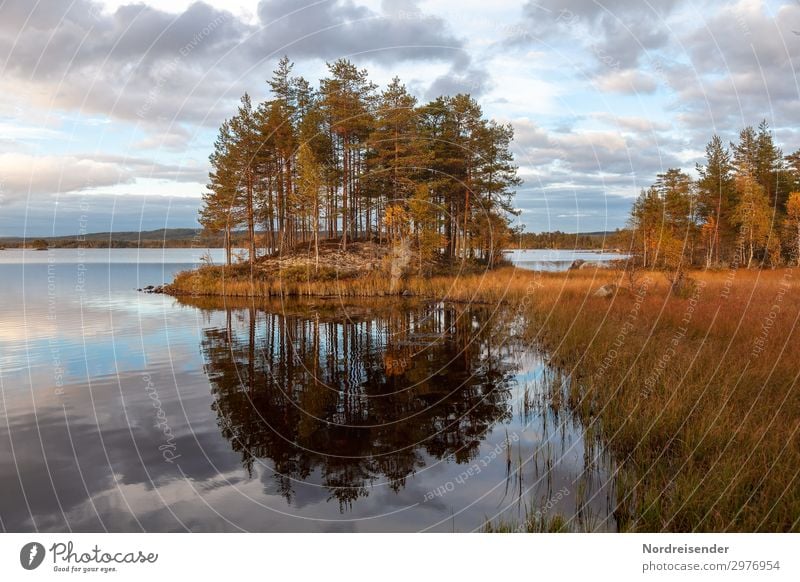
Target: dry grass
465, 285
695, 396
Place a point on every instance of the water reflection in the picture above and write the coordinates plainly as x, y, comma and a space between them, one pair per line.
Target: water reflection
283, 417
353, 397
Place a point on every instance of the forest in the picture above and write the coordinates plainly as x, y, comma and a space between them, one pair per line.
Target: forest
612, 240
742, 211
347, 162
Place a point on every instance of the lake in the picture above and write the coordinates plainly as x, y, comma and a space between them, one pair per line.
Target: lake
124, 411
558, 259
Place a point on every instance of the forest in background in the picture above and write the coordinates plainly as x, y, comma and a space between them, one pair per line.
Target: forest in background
616, 240
198, 238
742, 211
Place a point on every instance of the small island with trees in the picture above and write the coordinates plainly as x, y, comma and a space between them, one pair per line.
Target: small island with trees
350, 183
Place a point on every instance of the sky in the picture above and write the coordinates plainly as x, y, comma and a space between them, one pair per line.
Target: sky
108, 110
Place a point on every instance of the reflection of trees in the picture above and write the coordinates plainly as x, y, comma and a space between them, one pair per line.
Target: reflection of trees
356, 397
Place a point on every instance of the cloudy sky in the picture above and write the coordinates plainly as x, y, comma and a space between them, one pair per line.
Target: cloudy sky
109, 109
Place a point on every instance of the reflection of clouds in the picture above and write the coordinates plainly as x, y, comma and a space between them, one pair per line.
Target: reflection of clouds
216, 494
32, 319
104, 459
93, 341
114, 423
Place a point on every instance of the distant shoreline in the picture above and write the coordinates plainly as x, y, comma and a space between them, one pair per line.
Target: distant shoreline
183, 238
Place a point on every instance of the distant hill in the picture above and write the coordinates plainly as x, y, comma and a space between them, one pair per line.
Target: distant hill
195, 237
162, 237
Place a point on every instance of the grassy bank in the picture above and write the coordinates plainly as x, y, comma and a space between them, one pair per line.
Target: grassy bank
695, 395
470, 283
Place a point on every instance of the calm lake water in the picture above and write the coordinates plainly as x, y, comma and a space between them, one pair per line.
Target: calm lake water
123, 411
557, 259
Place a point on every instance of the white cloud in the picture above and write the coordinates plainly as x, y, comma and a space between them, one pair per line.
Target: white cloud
634, 124
626, 81
21, 174
602, 95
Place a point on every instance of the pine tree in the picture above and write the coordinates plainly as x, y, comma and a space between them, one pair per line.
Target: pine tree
346, 162
676, 190
793, 223
246, 153
731, 208
770, 169
494, 179
745, 153
395, 152
310, 185
438, 135
347, 99
219, 212
716, 197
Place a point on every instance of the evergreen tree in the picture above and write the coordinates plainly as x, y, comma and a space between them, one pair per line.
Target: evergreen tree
793, 224
770, 168
745, 153
396, 153
219, 212
793, 171
716, 199
246, 155
733, 206
311, 183
346, 97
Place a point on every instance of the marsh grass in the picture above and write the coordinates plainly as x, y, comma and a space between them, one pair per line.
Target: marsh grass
699, 403
533, 522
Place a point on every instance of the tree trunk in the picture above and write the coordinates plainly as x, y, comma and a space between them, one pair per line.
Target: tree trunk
227, 243
466, 214
345, 186
270, 225
316, 236
251, 227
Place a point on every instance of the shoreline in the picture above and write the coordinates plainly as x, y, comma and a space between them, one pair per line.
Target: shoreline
216, 282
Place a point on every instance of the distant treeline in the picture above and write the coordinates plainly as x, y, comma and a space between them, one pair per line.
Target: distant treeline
744, 210
613, 240
71, 243
190, 238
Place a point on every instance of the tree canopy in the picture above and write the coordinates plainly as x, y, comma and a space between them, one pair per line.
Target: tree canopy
347, 162
742, 210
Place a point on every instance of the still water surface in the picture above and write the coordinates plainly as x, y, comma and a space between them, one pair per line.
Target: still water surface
130, 412
558, 259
